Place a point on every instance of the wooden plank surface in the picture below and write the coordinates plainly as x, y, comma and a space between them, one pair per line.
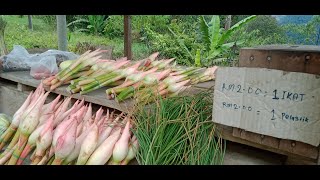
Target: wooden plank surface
291, 48
96, 97
227, 134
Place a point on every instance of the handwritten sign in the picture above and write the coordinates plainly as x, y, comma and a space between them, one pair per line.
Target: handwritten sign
281, 104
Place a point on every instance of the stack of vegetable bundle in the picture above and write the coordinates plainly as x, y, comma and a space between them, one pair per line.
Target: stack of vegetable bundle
90, 73
75, 69
53, 134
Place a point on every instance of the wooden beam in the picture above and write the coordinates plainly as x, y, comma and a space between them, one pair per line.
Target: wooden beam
127, 37
62, 32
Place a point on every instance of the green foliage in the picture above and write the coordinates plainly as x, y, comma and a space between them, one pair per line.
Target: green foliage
94, 24
114, 27
167, 46
213, 39
51, 20
261, 31
266, 24
45, 37
307, 34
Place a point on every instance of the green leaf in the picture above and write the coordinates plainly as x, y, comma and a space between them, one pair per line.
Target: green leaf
214, 53
231, 44
198, 59
235, 27
182, 44
214, 30
77, 21
204, 29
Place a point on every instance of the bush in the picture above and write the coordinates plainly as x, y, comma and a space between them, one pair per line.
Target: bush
51, 20
114, 27
168, 46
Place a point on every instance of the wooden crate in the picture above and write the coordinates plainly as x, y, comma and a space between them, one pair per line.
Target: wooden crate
287, 58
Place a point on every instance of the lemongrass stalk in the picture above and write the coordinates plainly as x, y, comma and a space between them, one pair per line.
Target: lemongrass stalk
165, 63
121, 147
44, 159
55, 86
98, 115
105, 83
7, 156
116, 65
84, 57
75, 90
60, 130
87, 83
175, 87
133, 148
130, 80
32, 155
52, 158
79, 141
26, 127
78, 74
27, 149
6, 136
105, 134
179, 91
103, 153
129, 91
65, 143
50, 106
124, 94
79, 67
115, 90
31, 143
12, 143
47, 81
54, 81
45, 139
88, 146
96, 83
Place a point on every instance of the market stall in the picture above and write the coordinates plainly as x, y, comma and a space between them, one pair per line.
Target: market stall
15, 87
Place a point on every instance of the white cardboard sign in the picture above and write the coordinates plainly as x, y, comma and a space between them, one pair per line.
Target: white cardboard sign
281, 104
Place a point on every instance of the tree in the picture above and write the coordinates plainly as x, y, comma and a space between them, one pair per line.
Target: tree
306, 34
3, 49
266, 24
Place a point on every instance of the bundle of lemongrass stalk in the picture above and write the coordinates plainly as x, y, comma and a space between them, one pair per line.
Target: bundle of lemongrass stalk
53, 134
89, 73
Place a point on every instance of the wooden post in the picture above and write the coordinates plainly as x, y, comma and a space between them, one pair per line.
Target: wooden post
62, 32
228, 22
30, 22
127, 37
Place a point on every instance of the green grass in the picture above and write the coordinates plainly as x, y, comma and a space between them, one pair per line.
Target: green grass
45, 36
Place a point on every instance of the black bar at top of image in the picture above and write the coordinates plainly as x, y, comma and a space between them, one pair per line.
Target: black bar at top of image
170, 7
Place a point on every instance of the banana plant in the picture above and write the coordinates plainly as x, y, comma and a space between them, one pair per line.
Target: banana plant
214, 40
